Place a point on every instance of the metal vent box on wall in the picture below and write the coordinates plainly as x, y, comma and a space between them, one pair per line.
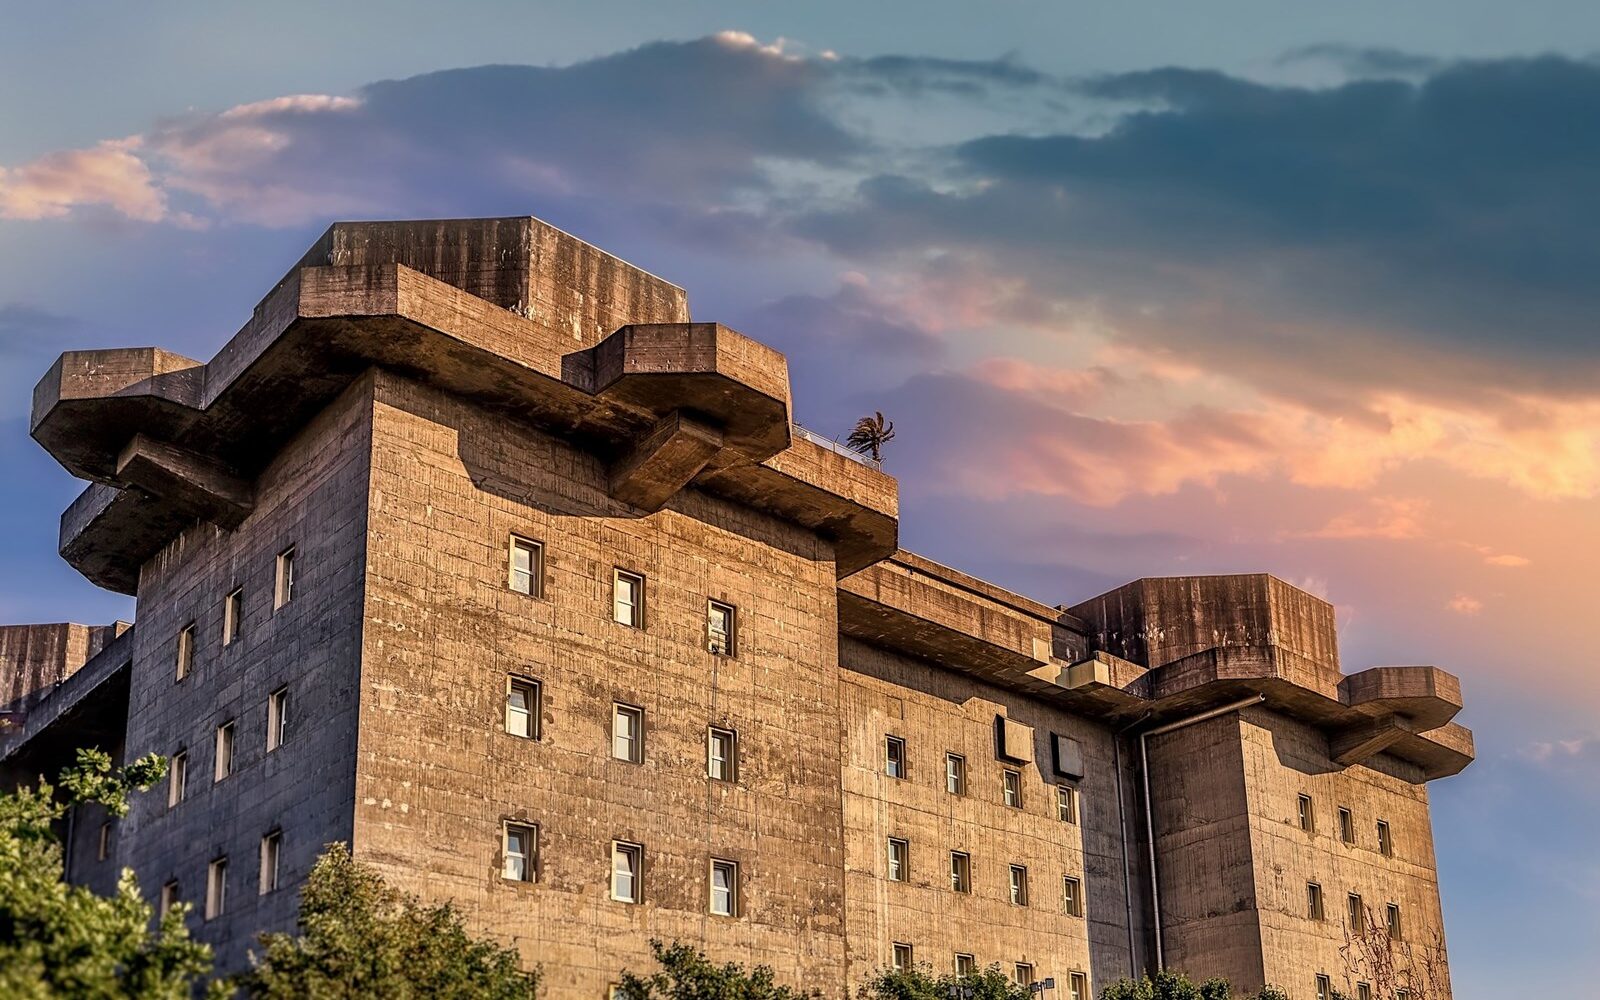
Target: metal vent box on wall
1066, 755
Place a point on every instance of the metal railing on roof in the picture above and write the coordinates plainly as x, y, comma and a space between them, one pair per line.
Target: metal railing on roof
834, 446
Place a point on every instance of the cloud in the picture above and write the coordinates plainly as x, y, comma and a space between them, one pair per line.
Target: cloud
1392, 518
1464, 604
109, 174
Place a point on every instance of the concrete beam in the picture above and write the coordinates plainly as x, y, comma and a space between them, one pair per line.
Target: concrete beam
197, 484
665, 461
1366, 740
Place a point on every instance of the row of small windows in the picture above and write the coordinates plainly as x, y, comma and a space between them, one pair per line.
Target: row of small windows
224, 743
955, 779
233, 612
898, 869
525, 575
216, 898
903, 957
1355, 912
1363, 990
520, 857
1307, 816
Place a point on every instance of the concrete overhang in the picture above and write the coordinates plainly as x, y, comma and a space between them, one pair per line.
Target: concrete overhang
88, 709
210, 426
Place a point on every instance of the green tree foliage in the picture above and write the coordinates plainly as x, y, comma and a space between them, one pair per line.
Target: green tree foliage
686, 974
920, 983
59, 941
1176, 986
360, 937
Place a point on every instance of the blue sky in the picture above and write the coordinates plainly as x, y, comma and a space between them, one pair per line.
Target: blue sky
1149, 288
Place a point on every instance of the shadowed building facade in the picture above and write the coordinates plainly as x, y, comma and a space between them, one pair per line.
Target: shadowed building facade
472, 551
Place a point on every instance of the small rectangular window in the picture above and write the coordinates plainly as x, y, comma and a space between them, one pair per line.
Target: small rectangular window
724, 888
271, 847
224, 753
103, 851
283, 580
526, 573
277, 718
960, 871
518, 858
722, 754
177, 777
720, 630
522, 707
966, 965
1347, 826
894, 757
903, 961
1357, 913
899, 860
1012, 787
627, 733
1385, 840
1395, 930
1023, 973
1402, 994
216, 888
955, 774
1363, 991
169, 896
1308, 819
1324, 988
232, 615
627, 599
1077, 986
1072, 896
1019, 885
1313, 901
627, 869
1066, 804
185, 651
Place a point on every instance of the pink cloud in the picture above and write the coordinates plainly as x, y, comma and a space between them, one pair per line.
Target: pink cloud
1464, 604
109, 174
1382, 517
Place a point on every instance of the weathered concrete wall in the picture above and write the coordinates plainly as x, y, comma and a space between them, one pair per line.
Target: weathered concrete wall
438, 774
312, 496
35, 658
938, 712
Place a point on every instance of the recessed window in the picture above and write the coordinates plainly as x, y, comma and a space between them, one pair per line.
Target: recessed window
1066, 804
277, 718
271, 848
627, 871
1019, 885
894, 757
283, 579
185, 651
627, 733
955, 774
526, 574
224, 751
1307, 814
1077, 986
1385, 839
903, 960
721, 633
1393, 923
1072, 896
724, 888
1324, 988
960, 871
1402, 994
522, 707
232, 615
1022, 973
1356, 912
966, 965
177, 777
1011, 786
517, 852
1347, 826
899, 860
169, 896
627, 599
1363, 991
1313, 901
103, 850
722, 750
216, 888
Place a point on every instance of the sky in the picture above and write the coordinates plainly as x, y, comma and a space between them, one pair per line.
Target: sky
1147, 289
